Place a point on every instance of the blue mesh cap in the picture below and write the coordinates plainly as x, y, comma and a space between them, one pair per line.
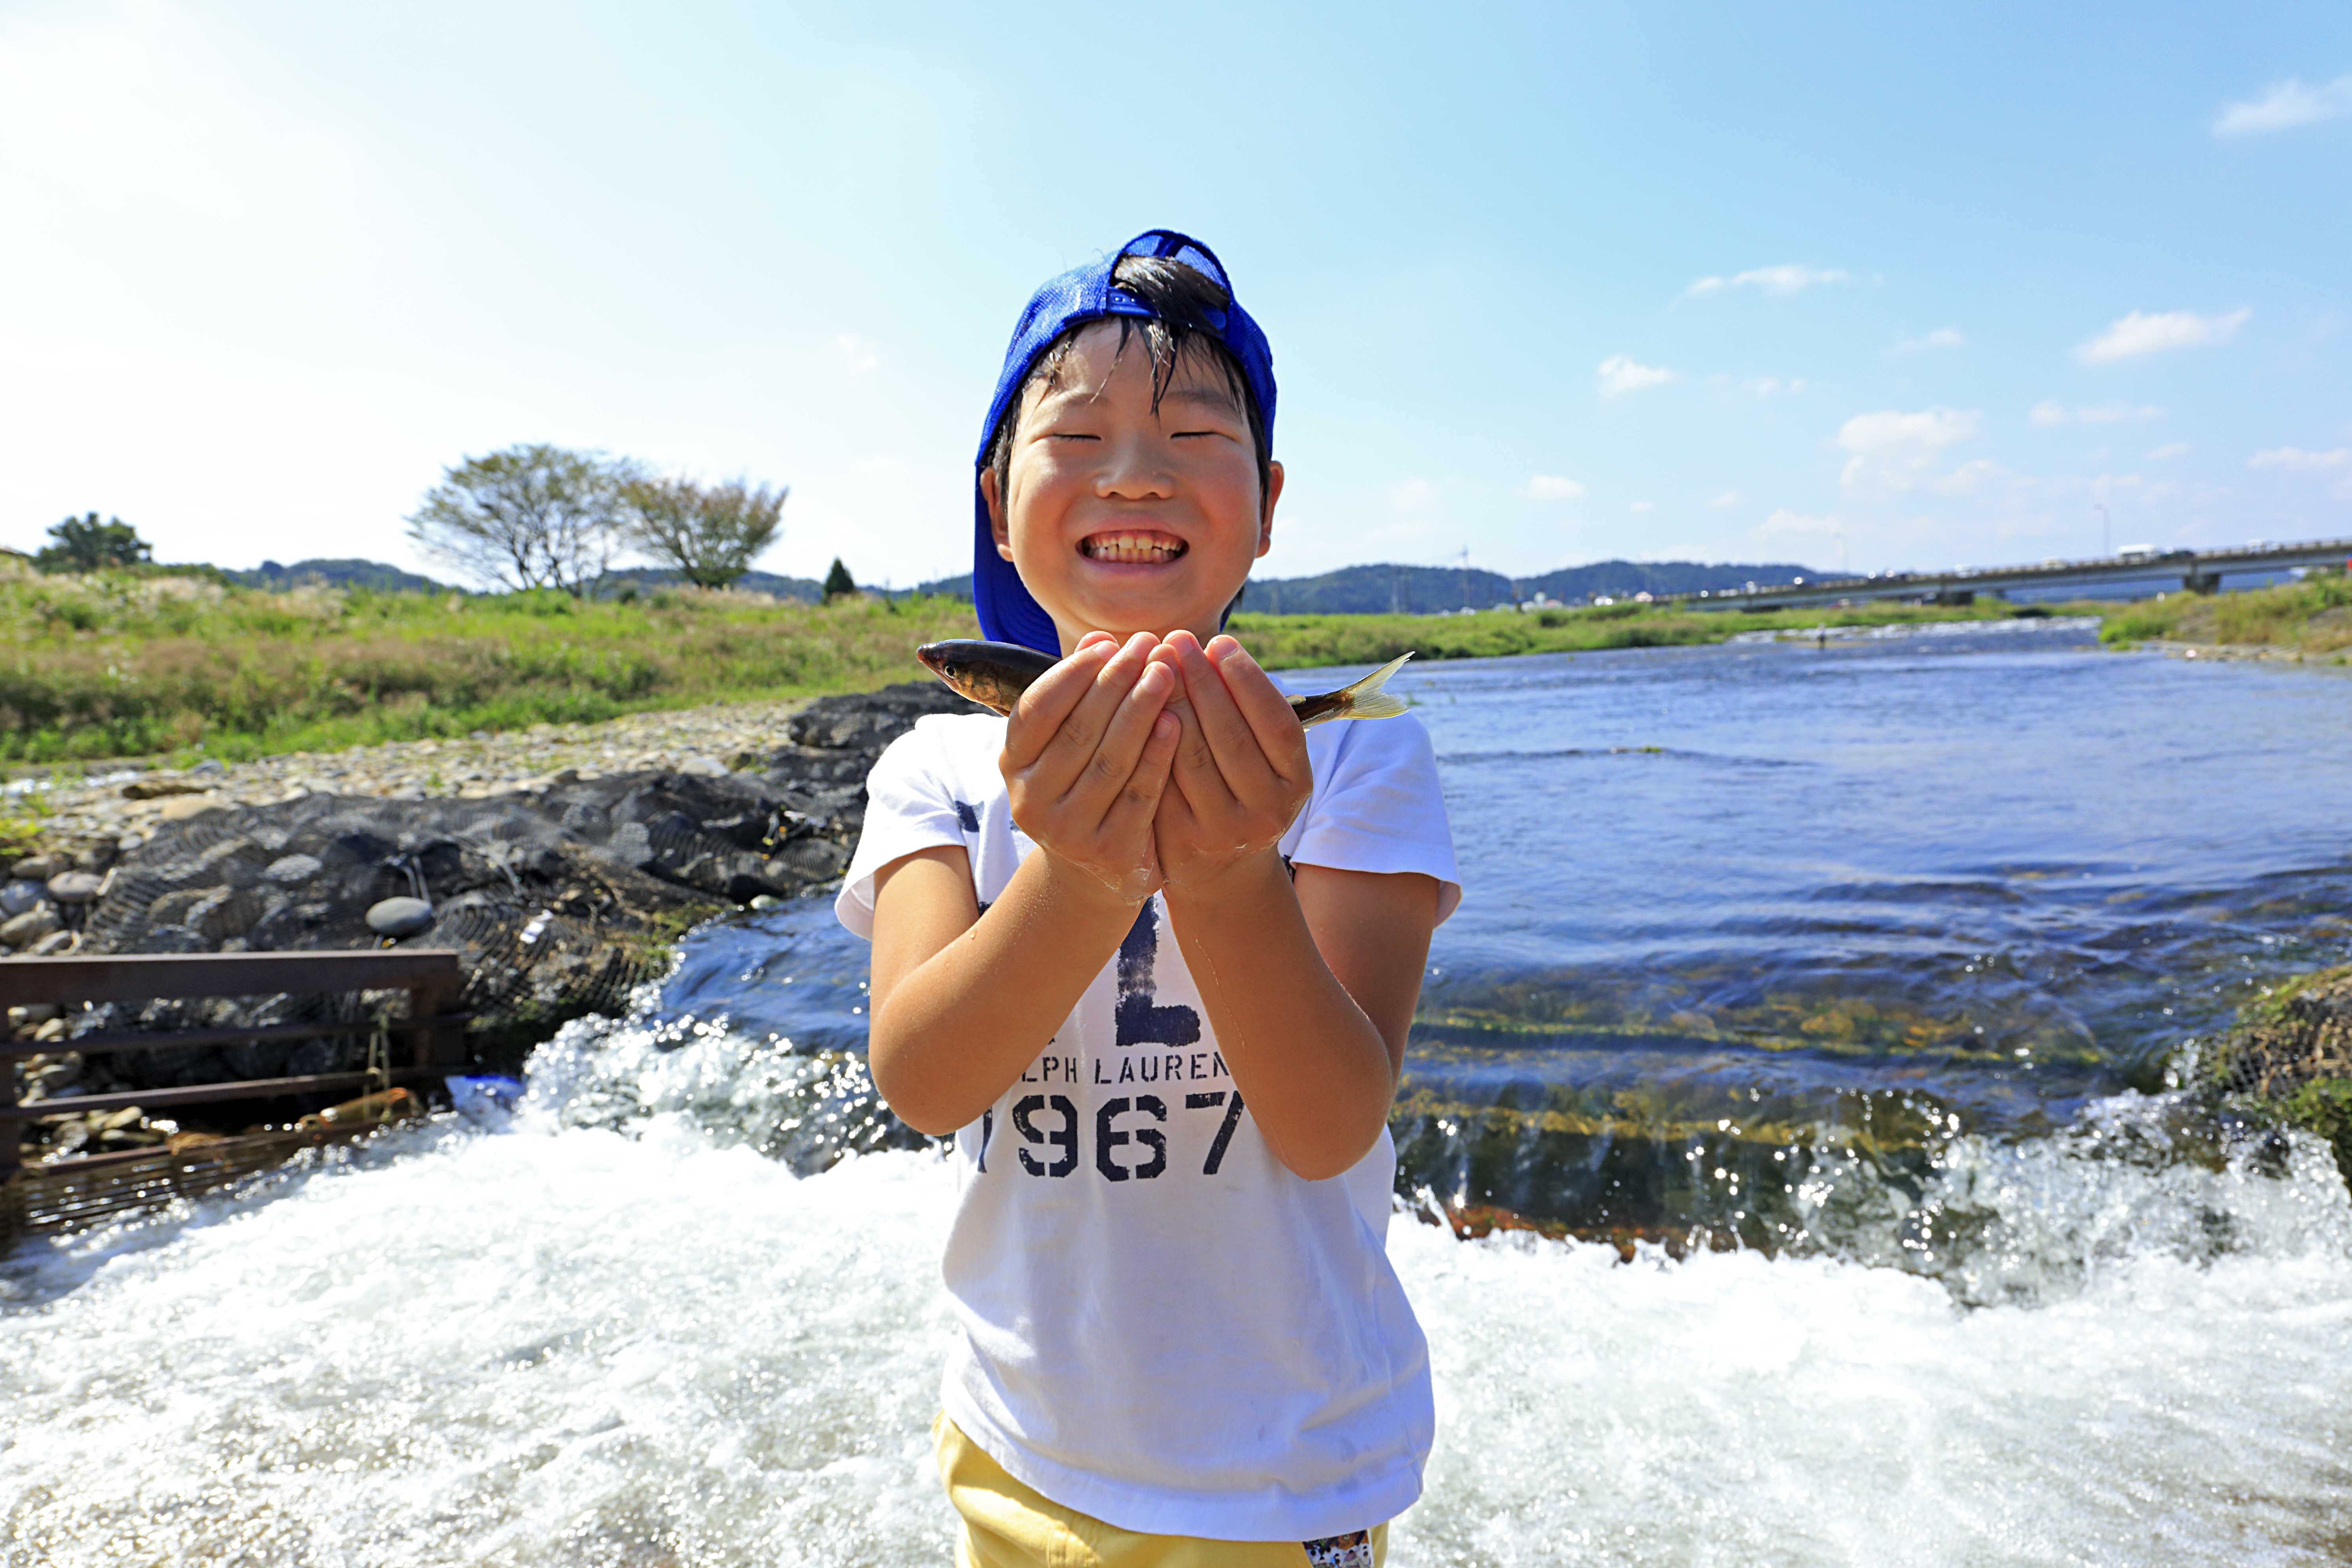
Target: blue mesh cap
1007, 612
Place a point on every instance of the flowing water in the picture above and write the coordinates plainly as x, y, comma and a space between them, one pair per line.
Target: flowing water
1847, 972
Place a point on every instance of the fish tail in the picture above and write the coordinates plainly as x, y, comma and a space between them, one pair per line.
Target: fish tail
1365, 700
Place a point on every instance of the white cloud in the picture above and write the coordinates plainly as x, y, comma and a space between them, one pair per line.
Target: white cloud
1967, 478
1412, 497
1639, 506
1941, 338
2283, 104
1786, 278
1726, 497
2296, 458
2142, 332
1890, 451
1551, 487
1619, 372
860, 354
1768, 385
2169, 450
2049, 411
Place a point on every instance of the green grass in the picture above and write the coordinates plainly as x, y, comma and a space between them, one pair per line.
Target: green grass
134, 663
2311, 617
1297, 642
115, 665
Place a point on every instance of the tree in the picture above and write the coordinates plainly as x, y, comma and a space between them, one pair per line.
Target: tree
838, 582
529, 517
711, 534
86, 544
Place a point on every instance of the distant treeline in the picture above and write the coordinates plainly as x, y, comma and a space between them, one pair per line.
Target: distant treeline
377, 577
1424, 590
1349, 591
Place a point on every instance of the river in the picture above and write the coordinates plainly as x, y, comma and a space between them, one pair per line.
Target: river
1834, 983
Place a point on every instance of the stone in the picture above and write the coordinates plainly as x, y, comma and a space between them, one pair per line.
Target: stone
209, 765
73, 889
25, 929
188, 805
158, 789
40, 868
400, 917
17, 896
25, 1015
292, 868
55, 942
703, 767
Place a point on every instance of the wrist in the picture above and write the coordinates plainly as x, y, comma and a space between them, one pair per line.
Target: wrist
1247, 879
1094, 891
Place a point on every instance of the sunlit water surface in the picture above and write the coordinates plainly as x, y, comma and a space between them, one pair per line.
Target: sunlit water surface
2020, 1312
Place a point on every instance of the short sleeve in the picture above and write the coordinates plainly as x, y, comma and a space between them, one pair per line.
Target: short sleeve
1378, 808
910, 805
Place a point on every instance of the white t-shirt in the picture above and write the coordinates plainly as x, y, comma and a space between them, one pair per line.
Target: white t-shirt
1163, 1326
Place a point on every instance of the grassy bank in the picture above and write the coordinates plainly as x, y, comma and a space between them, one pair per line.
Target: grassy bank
116, 665
112, 665
1296, 642
2312, 617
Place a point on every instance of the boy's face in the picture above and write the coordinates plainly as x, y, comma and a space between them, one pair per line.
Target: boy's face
1122, 518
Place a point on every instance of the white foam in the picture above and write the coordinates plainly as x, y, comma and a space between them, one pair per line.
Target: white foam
578, 1346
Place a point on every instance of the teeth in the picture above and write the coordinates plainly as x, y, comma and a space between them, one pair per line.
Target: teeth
1131, 547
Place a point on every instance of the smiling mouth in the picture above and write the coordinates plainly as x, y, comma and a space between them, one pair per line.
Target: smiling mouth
1132, 547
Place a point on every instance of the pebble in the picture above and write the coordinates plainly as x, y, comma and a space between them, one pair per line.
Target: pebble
400, 917
292, 868
15, 897
25, 929
73, 888
40, 868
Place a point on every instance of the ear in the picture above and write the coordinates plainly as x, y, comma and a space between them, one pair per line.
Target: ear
1265, 518
993, 499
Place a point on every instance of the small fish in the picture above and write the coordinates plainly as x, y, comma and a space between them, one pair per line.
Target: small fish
995, 674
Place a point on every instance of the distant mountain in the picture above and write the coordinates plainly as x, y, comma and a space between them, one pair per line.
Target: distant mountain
340, 573
1418, 590
1623, 579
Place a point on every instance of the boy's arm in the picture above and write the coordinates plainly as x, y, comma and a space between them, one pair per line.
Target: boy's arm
1310, 987
962, 1001
1311, 992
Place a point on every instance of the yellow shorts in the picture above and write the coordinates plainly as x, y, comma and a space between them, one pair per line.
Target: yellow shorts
1007, 1525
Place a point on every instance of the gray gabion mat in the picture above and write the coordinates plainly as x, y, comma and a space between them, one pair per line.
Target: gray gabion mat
559, 902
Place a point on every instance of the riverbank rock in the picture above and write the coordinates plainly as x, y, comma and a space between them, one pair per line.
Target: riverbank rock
2290, 1057
561, 896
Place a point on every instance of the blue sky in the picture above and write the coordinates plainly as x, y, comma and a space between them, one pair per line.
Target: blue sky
1905, 285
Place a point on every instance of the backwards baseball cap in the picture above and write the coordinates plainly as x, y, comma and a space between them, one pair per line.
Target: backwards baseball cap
1007, 612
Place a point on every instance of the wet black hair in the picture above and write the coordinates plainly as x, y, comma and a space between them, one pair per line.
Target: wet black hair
1180, 299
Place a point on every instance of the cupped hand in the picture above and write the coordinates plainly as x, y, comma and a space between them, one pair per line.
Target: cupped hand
1085, 759
1240, 773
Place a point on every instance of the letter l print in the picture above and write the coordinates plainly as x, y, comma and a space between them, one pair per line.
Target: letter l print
1139, 1021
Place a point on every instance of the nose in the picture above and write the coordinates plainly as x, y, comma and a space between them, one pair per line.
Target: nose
1133, 469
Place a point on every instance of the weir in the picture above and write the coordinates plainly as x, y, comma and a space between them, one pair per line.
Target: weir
2195, 571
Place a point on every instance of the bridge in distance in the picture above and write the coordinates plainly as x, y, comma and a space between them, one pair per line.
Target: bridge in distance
2197, 571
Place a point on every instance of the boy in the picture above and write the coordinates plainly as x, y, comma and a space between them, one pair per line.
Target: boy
1149, 950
